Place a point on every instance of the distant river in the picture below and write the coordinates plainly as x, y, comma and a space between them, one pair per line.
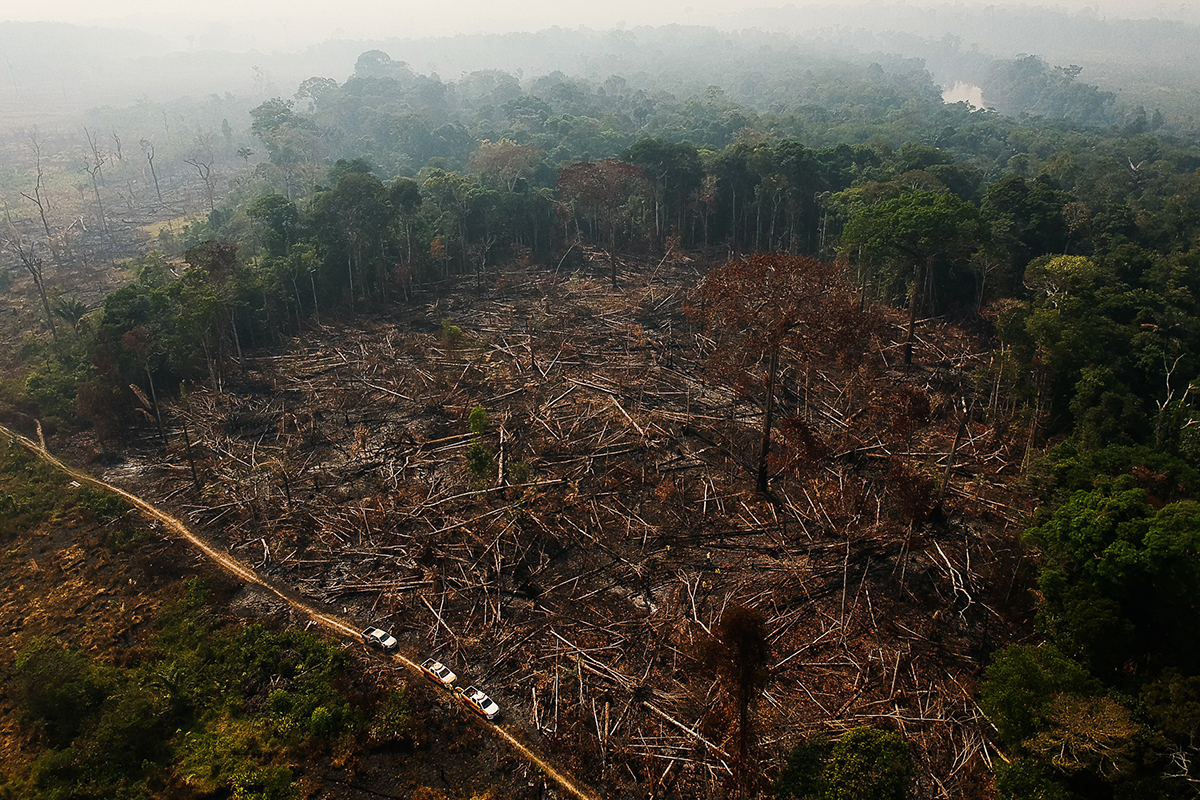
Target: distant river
961, 91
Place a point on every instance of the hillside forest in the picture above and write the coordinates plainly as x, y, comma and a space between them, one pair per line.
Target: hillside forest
891, 334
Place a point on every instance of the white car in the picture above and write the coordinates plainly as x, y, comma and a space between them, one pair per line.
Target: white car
439, 673
479, 702
381, 640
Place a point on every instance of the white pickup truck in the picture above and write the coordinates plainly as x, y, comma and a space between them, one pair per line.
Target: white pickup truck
380, 639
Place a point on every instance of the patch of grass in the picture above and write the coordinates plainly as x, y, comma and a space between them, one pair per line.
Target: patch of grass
221, 708
101, 505
31, 491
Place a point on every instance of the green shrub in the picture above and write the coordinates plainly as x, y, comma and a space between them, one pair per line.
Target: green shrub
130, 735
102, 505
451, 332
212, 706
393, 719
868, 764
1021, 779
51, 388
864, 764
481, 462
59, 689
477, 421
222, 757
34, 491
800, 778
125, 537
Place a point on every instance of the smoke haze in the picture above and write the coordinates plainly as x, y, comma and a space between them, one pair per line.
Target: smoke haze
279, 25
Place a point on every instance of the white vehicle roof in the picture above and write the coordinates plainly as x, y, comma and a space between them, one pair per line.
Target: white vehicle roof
487, 703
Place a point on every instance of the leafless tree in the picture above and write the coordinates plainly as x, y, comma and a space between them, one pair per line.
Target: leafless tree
32, 261
97, 158
203, 162
38, 197
94, 167
148, 147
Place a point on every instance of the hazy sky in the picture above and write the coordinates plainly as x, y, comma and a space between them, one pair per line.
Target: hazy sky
287, 24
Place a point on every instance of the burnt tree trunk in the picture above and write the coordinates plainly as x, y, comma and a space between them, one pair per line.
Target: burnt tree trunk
768, 409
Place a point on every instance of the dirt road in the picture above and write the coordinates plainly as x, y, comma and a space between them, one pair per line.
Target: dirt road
330, 622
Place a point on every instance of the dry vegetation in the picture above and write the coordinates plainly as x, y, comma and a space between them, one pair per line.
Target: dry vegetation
77, 203
608, 516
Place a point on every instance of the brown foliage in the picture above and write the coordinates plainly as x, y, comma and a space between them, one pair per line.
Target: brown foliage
218, 259
103, 407
740, 656
596, 190
912, 491
755, 307
798, 447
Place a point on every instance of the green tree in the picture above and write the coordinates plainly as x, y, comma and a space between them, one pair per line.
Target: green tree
1121, 579
921, 229
351, 223
673, 174
868, 764
279, 222
1021, 683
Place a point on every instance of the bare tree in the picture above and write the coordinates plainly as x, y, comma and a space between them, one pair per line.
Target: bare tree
148, 148
38, 198
203, 162
94, 167
97, 158
29, 258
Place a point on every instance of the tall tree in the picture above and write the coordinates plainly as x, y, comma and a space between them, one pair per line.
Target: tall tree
502, 164
600, 190
674, 175
32, 262
39, 197
740, 655
922, 230
758, 305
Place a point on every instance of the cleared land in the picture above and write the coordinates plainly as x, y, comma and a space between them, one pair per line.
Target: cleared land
573, 554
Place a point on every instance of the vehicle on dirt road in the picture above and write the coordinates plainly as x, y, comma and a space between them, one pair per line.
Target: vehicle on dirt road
439, 673
380, 640
479, 702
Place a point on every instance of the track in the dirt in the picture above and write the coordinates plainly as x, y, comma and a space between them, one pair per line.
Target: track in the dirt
235, 567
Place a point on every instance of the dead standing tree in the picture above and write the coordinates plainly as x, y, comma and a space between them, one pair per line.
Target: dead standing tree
39, 198
598, 190
94, 167
203, 164
740, 656
148, 148
756, 306
32, 262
